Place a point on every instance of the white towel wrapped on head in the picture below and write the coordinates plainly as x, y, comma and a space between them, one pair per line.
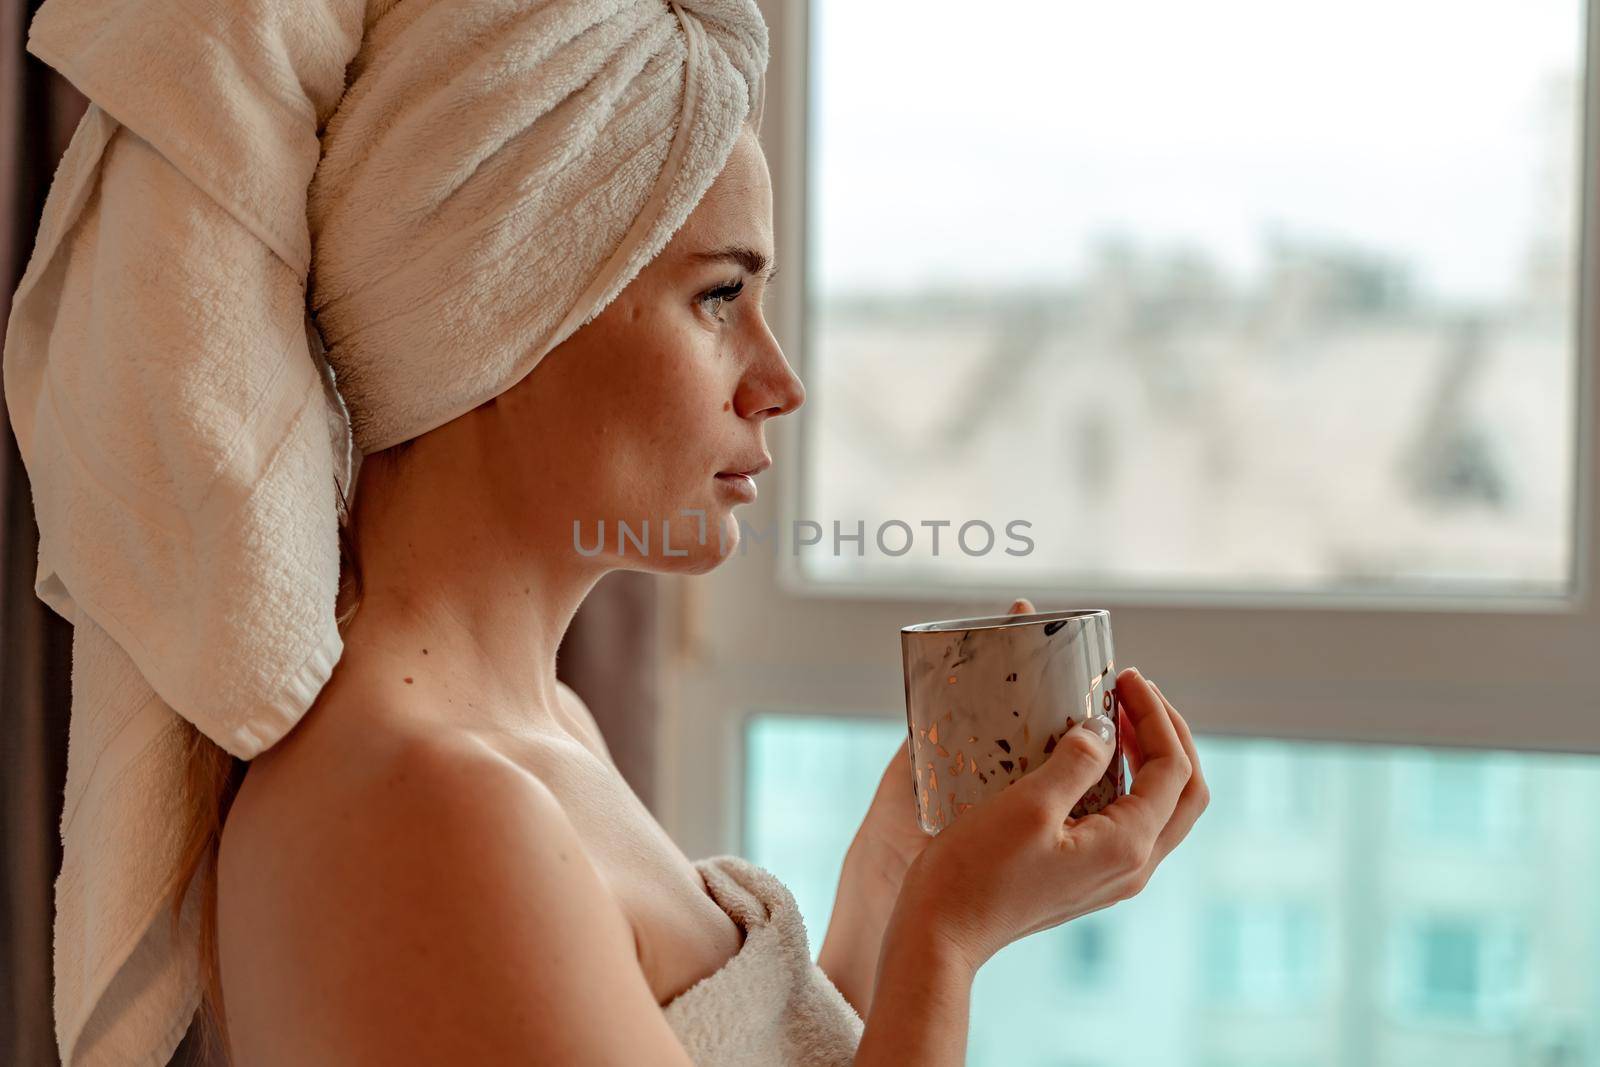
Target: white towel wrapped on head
449, 189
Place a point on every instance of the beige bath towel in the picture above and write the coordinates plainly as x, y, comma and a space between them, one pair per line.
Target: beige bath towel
771, 1005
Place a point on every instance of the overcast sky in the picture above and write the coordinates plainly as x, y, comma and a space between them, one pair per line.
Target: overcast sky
992, 141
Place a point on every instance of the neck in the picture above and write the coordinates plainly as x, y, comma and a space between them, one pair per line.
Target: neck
473, 620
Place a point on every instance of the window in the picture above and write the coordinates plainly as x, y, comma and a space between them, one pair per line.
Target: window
1333, 474
1348, 955
1263, 955
831, 761
1468, 801
1300, 276
1468, 970
1088, 944
1281, 789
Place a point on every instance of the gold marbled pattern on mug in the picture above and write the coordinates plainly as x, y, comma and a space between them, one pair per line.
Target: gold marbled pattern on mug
985, 705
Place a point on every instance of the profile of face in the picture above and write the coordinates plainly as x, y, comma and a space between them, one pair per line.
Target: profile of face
651, 409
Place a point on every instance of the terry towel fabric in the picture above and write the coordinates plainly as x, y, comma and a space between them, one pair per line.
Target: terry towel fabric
770, 1005
288, 233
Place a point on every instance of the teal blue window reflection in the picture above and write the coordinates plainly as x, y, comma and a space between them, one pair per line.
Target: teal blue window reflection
1338, 906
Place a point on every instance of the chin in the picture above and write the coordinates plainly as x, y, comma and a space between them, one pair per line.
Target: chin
731, 535
688, 555
698, 561
716, 550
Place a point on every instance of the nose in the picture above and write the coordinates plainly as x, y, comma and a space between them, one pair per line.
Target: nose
770, 386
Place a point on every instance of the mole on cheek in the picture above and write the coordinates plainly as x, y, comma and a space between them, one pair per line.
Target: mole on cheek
727, 404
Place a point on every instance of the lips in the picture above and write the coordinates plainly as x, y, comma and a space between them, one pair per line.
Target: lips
740, 484
751, 471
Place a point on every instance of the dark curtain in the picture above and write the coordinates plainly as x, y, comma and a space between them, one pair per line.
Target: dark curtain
38, 112
608, 657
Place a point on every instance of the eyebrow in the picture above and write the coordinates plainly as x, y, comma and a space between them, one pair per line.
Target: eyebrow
752, 261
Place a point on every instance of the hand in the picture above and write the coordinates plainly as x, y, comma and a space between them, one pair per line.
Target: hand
1018, 863
888, 842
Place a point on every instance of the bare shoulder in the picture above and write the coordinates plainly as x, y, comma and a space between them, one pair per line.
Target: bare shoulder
436, 906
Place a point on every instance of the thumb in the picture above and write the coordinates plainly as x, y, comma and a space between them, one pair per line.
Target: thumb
1078, 761
898, 769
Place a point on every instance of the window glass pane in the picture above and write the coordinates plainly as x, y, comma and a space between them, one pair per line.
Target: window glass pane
1241, 294
1361, 925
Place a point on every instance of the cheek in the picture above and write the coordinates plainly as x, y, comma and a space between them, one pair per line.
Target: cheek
666, 428
690, 386
670, 387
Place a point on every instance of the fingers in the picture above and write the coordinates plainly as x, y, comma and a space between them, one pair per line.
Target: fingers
902, 753
899, 761
1195, 796
1078, 761
1021, 606
1165, 767
1130, 742
1184, 736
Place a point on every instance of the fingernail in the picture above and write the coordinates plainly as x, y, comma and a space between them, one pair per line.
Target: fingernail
1101, 726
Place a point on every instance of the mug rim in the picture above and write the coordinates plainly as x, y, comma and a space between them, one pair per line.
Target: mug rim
995, 622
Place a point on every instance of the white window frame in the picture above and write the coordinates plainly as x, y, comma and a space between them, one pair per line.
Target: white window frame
755, 635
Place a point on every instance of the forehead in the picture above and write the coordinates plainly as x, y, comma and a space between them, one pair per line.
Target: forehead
736, 209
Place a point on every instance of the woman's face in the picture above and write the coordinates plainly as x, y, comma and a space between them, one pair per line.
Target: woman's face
646, 412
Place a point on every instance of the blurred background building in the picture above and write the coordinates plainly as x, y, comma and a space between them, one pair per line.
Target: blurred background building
1337, 905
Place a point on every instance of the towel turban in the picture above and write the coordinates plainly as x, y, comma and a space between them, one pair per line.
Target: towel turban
287, 231
494, 176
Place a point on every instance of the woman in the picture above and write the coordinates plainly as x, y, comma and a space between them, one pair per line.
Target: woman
446, 823
539, 238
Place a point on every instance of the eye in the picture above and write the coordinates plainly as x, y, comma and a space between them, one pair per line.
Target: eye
714, 299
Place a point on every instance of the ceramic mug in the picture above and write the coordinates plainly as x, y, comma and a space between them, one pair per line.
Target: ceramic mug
988, 698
